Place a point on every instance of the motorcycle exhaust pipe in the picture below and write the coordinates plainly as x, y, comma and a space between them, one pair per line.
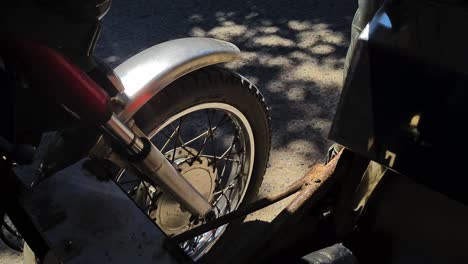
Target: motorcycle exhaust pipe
146, 158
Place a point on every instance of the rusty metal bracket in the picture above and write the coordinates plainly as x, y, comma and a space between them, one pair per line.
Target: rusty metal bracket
306, 186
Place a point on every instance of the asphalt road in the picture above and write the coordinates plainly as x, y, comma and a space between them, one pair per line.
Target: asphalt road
293, 51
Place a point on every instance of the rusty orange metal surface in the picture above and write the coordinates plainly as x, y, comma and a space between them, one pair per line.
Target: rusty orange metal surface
312, 181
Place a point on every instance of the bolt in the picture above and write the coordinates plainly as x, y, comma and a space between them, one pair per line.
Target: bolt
117, 103
326, 214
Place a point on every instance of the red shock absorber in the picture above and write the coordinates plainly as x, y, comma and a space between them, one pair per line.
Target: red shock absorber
59, 79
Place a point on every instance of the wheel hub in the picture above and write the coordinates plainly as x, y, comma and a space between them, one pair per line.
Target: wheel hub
169, 214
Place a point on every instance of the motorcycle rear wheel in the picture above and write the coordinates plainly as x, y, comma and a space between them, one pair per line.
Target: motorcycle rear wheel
212, 124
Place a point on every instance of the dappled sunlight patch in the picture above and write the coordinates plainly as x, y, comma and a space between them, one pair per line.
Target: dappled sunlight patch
310, 38
324, 76
333, 38
228, 23
273, 41
299, 25
319, 27
300, 55
302, 145
247, 58
197, 32
271, 61
307, 39
296, 94
303, 72
274, 86
268, 30
322, 49
229, 30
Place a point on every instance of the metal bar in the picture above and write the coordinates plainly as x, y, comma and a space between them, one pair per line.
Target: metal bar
158, 170
124, 134
318, 177
225, 219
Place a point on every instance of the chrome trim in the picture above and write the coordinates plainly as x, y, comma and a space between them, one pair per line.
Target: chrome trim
164, 175
148, 72
124, 134
158, 169
110, 74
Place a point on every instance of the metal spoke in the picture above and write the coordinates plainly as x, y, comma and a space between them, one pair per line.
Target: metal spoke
197, 137
183, 147
228, 152
119, 175
228, 203
169, 138
219, 158
210, 131
223, 191
212, 144
179, 136
179, 127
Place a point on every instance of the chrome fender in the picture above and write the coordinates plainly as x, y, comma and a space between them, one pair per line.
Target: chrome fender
148, 72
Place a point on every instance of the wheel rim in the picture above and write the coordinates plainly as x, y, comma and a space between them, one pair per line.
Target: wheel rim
185, 144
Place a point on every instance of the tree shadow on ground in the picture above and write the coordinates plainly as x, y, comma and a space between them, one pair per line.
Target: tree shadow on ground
293, 50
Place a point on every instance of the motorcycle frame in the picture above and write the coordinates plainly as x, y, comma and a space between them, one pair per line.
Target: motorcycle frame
86, 100
158, 66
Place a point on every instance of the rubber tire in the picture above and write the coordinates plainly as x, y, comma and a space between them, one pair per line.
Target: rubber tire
214, 84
